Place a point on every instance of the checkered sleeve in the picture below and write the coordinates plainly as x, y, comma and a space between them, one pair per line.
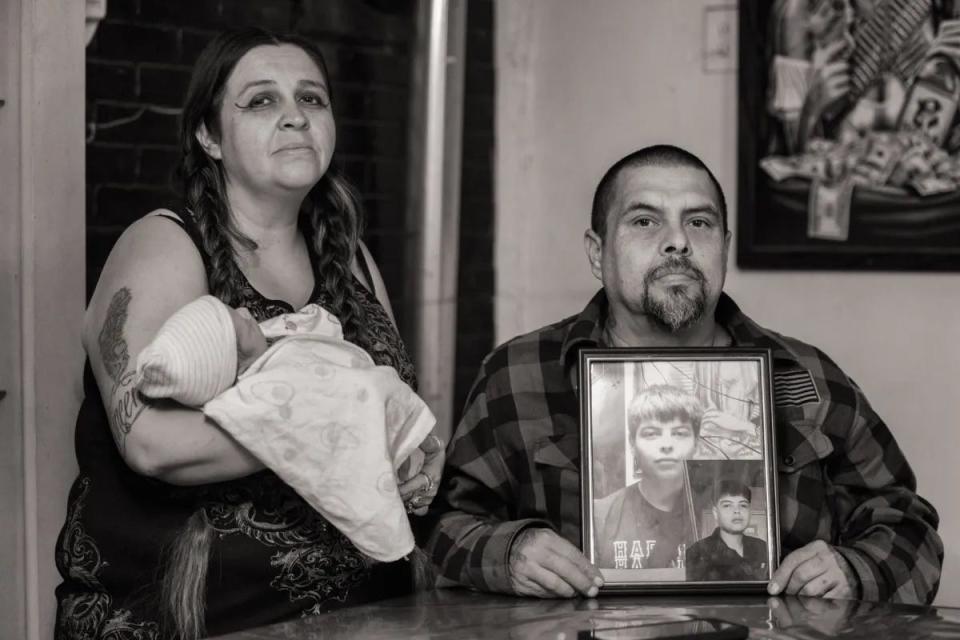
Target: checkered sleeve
888, 533
470, 528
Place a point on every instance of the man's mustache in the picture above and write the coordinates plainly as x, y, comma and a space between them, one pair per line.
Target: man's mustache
676, 264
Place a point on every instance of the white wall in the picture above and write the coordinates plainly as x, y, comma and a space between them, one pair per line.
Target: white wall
580, 84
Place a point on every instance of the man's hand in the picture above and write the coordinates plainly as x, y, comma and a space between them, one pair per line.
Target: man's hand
544, 565
947, 43
831, 78
816, 569
822, 18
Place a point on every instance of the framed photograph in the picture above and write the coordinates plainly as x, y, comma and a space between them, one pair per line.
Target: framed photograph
849, 135
678, 475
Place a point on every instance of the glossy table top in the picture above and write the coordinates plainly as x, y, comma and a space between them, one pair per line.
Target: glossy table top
460, 614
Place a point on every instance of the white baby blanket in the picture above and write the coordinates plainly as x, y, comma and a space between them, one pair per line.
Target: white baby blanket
316, 410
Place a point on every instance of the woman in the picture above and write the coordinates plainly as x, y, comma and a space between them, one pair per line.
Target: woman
173, 529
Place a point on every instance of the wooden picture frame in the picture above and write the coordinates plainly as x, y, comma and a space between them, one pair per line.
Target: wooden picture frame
677, 450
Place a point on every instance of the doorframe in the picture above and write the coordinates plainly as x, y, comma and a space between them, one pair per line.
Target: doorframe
43, 183
13, 591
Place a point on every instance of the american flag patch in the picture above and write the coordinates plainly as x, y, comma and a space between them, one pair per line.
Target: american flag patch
794, 388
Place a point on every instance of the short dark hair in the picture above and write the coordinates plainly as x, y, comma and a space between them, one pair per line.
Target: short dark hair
731, 488
663, 402
660, 155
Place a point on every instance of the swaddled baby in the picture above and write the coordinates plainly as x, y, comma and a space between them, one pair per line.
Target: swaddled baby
311, 406
202, 349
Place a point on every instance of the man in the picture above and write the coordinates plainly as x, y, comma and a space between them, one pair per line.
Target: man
648, 524
508, 515
727, 553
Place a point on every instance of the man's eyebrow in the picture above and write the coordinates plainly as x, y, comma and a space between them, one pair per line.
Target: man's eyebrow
704, 208
643, 205
640, 205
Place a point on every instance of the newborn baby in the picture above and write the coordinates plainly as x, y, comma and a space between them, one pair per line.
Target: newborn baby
251, 342
202, 349
313, 407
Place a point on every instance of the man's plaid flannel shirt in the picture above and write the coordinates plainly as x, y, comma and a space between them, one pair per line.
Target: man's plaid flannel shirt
514, 462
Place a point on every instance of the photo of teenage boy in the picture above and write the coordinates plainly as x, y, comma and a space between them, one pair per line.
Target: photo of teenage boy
649, 524
728, 553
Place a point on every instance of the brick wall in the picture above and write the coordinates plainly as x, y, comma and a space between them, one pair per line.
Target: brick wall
138, 66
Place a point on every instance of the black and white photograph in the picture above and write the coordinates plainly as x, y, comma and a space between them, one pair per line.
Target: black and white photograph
677, 468
377, 319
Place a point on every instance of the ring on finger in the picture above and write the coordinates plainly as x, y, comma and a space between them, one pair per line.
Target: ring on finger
430, 485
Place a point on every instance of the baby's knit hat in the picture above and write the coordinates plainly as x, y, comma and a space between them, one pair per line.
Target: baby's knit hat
193, 357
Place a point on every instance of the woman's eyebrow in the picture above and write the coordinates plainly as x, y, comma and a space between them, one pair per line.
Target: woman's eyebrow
312, 83
255, 83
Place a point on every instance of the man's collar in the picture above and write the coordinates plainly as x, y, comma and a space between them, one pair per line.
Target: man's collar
586, 330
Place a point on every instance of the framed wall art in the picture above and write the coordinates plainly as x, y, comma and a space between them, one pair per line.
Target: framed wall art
849, 134
679, 490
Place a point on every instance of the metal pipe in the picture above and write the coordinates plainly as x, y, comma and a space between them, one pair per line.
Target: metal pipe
434, 198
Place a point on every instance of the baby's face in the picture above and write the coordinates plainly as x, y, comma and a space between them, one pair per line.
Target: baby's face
250, 339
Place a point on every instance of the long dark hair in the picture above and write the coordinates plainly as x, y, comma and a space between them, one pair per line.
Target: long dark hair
330, 218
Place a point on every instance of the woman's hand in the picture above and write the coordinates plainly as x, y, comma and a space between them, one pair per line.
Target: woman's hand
420, 475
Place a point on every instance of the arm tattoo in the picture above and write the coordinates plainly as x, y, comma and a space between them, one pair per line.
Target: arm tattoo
127, 402
113, 348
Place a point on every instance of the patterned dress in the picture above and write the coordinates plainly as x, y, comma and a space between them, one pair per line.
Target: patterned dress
273, 557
